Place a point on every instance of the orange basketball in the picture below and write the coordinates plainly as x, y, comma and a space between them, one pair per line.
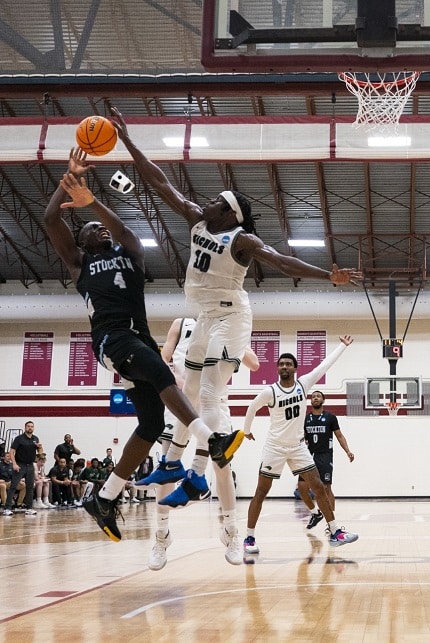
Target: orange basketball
96, 135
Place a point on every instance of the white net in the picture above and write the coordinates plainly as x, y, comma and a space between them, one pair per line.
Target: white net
381, 97
392, 408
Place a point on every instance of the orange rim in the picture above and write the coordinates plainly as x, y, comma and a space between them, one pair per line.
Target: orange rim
393, 83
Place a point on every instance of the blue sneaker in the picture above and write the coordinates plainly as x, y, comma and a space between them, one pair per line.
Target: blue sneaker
250, 546
167, 471
191, 489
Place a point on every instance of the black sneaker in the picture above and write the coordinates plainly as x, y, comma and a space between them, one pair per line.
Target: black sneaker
105, 513
222, 446
314, 520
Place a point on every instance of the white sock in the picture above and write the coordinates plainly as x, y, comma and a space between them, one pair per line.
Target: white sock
315, 510
229, 521
200, 462
332, 526
250, 532
199, 429
225, 488
162, 524
112, 487
162, 511
174, 452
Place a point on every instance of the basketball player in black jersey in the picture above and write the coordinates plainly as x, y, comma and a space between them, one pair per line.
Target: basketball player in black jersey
320, 426
110, 276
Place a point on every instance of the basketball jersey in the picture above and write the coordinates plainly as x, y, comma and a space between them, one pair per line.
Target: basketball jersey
214, 279
287, 407
286, 412
319, 431
178, 357
112, 285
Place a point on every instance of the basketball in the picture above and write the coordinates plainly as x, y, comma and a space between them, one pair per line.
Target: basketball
96, 135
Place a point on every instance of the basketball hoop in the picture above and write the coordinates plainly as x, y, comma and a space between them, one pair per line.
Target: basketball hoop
392, 408
381, 97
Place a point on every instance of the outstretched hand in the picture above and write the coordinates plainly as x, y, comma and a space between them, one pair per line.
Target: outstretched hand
78, 162
77, 189
346, 339
249, 436
119, 123
341, 276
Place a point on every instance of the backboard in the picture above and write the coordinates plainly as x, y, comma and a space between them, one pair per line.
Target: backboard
315, 35
381, 391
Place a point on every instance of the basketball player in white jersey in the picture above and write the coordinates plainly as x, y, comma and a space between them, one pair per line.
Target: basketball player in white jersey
285, 443
174, 352
223, 245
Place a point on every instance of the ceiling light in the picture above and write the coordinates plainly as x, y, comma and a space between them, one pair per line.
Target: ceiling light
178, 141
306, 243
389, 141
149, 243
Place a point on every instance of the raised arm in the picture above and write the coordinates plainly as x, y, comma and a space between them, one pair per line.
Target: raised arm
156, 178
83, 197
57, 229
61, 235
249, 247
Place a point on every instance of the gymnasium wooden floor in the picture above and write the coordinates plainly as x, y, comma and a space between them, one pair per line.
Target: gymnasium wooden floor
62, 580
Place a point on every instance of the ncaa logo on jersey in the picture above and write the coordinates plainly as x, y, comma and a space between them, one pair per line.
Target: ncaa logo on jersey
226, 238
299, 390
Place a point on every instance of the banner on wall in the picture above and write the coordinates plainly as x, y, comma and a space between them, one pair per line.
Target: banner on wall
265, 345
37, 359
82, 362
311, 350
120, 403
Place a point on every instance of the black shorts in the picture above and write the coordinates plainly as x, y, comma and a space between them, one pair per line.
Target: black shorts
137, 359
324, 464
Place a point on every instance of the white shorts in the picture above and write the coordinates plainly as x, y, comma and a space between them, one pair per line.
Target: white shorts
219, 338
274, 458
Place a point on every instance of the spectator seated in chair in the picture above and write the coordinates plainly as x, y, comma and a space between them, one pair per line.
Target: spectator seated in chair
42, 484
61, 484
6, 468
93, 474
78, 485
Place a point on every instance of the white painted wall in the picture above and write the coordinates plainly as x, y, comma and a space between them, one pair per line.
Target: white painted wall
391, 453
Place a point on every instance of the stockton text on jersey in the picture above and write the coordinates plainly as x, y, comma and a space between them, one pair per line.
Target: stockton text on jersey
316, 429
116, 263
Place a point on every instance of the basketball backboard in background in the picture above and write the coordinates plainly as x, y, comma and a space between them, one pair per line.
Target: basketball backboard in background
316, 35
380, 392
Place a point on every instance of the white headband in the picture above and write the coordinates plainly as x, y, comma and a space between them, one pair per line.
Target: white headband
232, 201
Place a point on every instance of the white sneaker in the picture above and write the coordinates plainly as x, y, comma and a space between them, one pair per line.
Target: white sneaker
158, 556
234, 551
48, 505
38, 504
135, 500
8, 512
30, 512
